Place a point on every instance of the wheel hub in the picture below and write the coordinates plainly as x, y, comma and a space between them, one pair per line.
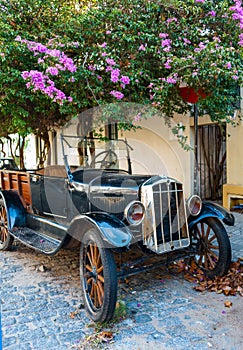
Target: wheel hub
94, 273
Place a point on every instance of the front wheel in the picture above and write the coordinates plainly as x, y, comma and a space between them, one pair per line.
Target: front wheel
98, 277
6, 239
211, 246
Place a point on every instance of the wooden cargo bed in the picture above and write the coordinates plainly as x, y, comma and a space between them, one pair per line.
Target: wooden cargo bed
18, 181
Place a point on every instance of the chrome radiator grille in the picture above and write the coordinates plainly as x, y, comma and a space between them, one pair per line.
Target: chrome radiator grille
165, 224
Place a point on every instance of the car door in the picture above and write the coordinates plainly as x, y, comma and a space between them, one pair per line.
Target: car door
54, 196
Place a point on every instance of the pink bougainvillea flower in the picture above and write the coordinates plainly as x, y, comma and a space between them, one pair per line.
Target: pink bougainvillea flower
211, 13
115, 75
142, 48
110, 61
163, 35
117, 94
52, 70
165, 42
125, 79
137, 117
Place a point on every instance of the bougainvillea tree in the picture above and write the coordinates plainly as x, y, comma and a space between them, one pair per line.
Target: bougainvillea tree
144, 51
139, 51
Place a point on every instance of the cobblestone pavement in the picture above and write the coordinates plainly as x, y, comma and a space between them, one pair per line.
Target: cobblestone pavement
41, 307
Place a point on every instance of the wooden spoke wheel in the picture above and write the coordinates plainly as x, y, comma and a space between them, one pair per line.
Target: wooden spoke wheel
98, 277
6, 239
211, 245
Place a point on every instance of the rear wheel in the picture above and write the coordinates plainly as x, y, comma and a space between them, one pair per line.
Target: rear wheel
211, 245
6, 239
98, 277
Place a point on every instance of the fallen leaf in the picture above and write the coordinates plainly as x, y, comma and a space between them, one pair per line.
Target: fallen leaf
41, 268
227, 303
72, 314
105, 336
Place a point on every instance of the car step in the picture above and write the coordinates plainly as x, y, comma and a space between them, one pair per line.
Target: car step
36, 240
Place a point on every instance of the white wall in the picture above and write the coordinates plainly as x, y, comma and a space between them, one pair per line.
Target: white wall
157, 151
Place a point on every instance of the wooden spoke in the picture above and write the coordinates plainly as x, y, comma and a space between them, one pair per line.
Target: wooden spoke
96, 302
198, 234
101, 288
200, 259
99, 296
202, 230
101, 278
212, 238
100, 269
96, 253
207, 232
89, 268
92, 291
211, 262
212, 246
213, 254
92, 259
89, 257
89, 280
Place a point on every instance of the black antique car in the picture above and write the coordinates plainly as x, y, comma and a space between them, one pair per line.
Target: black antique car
93, 202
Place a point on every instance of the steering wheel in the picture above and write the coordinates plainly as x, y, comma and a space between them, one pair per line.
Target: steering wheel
109, 158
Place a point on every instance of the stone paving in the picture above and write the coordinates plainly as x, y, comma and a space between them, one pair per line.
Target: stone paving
42, 307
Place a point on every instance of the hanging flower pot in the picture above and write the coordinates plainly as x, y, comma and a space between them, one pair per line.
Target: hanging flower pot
189, 94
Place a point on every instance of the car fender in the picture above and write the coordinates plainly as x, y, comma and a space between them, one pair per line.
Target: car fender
210, 209
112, 230
15, 209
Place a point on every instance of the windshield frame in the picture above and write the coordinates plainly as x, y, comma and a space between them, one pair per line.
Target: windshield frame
91, 144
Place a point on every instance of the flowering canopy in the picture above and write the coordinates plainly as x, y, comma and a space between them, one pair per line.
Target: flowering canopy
160, 47
140, 51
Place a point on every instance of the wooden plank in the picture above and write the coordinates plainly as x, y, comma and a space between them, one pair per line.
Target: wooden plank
18, 181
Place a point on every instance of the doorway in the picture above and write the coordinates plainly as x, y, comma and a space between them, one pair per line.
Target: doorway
211, 161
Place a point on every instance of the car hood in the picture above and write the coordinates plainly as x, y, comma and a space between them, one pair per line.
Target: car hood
114, 183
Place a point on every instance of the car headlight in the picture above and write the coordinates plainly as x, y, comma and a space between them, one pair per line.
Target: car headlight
134, 213
194, 205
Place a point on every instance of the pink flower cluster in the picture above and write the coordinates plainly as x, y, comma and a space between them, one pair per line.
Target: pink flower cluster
42, 82
117, 94
238, 16
64, 62
171, 79
166, 44
115, 74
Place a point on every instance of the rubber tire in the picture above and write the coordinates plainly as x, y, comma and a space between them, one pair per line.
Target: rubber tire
106, 311
7, 244
224, 255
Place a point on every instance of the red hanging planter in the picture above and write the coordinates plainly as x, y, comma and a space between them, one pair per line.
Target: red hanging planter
189, 94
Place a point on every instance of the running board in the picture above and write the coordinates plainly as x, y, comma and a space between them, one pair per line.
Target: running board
41, 234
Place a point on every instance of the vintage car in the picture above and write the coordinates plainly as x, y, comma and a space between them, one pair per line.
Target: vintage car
93, 202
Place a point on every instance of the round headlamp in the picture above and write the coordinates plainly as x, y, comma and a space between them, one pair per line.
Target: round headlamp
134, 213
194, 205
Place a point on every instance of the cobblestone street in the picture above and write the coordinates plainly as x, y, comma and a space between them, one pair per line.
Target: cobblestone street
41, 307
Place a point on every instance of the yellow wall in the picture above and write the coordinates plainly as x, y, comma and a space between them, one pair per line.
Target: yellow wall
157, 151
235, 155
